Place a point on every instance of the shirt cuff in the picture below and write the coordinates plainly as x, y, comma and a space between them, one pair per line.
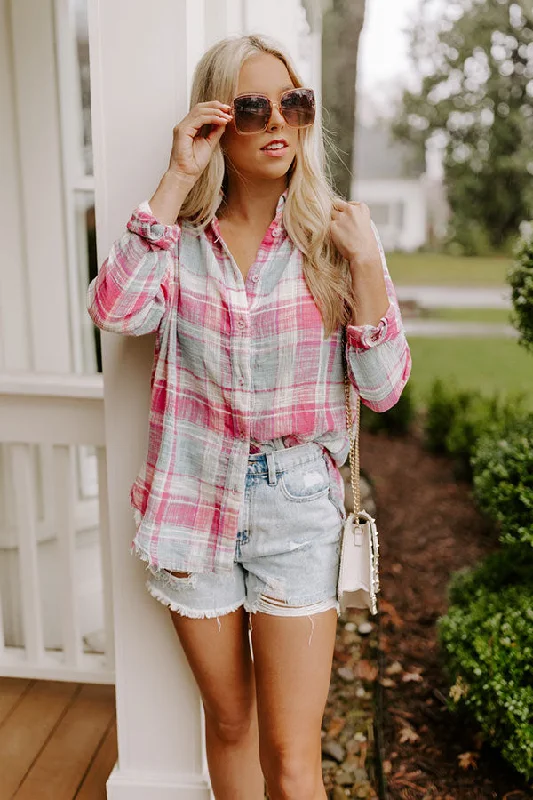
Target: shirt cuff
143, 223
363, 337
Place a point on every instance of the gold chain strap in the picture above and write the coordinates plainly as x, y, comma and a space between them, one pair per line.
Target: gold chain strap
354, 446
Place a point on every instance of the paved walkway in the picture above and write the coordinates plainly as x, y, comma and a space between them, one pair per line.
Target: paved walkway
422, 327
457, 296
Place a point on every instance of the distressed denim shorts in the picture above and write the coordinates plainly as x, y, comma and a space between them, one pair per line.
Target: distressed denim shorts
287, 545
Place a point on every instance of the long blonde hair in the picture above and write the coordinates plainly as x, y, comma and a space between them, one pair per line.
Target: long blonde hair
307, 210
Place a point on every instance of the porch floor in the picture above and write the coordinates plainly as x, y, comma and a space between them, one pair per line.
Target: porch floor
58, 740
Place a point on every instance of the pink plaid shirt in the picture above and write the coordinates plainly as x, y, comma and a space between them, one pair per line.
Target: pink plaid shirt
239, 366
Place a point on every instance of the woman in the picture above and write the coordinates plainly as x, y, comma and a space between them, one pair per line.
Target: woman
256, 281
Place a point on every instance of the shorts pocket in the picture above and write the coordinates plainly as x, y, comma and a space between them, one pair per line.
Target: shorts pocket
306, 481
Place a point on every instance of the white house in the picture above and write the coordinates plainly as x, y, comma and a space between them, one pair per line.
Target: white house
394, 190
75, 149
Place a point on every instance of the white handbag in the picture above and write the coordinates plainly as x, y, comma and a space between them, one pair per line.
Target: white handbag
358, 577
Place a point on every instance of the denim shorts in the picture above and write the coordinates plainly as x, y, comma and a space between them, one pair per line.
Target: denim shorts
287, 545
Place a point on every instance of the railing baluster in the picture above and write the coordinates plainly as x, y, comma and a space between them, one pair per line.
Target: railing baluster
29, 579
66, 561
105, 555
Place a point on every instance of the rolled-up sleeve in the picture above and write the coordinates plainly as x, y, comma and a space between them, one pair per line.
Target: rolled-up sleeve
132, 289
378, 356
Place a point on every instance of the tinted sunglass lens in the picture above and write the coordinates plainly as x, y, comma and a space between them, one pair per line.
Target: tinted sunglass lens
298, 107
251, 113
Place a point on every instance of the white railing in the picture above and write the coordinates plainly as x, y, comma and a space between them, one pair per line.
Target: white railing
42, 557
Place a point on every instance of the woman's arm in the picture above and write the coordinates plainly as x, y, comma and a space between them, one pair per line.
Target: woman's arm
130, 293
378, 356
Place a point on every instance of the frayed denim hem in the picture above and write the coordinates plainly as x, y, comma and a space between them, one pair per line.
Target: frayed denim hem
280, 608
192, 613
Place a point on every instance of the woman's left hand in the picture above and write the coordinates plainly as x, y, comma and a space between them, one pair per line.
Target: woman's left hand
352, 233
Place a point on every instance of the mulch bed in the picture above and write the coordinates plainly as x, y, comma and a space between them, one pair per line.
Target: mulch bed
428, 527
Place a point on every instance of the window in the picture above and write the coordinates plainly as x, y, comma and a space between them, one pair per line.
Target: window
72, 37
75, 110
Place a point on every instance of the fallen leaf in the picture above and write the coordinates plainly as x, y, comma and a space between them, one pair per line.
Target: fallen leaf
335, 726
366, 671
389, 611
408, 677
394, 668
387, 682
468, 760
407, 734
458, 689
387, 767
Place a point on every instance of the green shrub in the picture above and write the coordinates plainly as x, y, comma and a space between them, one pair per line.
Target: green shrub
397, 420
487, 640
511, 565
478, 414
502, 466
520, 278
456, 418
445, 401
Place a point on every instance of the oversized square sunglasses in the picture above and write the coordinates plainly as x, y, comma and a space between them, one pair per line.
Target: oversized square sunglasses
252, 111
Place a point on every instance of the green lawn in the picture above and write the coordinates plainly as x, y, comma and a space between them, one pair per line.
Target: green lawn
437, 269
472, 363
500, 316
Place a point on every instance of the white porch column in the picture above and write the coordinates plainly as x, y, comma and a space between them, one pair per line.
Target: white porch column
222, 18
141, 63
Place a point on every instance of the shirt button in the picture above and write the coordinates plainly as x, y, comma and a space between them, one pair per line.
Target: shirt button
255, 278
241, 380
241, 322
243, 435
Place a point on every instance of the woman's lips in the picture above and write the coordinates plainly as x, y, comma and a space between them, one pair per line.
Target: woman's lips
277, 152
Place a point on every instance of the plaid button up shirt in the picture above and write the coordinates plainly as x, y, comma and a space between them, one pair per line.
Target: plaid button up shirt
238, 364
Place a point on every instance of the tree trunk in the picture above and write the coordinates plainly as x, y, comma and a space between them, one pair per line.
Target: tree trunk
342, 26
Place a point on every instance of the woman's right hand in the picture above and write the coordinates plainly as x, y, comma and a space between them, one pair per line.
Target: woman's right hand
190, 150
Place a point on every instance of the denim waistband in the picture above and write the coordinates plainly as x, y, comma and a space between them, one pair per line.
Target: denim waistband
279, 460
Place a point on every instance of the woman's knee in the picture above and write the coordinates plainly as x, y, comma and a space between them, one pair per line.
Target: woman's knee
232, 727
291, 775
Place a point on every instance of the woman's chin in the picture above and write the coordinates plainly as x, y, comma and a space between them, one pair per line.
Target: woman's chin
274, 171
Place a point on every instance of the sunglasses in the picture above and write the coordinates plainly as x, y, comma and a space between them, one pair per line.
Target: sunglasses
252, 111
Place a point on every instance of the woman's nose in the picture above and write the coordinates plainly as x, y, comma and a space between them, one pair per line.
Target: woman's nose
276, 118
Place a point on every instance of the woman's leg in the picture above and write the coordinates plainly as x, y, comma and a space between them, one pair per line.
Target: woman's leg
221, 663
293, 677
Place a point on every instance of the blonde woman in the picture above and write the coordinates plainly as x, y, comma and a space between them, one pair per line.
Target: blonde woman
256, 281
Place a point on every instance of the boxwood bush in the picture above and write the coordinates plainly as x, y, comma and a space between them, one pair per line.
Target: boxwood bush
487, 636
502, 465
456, 418
520, 278
445, 402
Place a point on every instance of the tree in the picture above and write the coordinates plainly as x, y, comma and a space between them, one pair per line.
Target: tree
341, 30
474, 62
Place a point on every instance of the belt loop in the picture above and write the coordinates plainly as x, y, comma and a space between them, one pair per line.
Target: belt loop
271, 464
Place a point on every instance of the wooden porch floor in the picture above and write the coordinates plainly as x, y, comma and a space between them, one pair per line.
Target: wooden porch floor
58, 740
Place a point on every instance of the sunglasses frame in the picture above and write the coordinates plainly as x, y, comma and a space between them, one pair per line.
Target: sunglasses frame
272, 106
